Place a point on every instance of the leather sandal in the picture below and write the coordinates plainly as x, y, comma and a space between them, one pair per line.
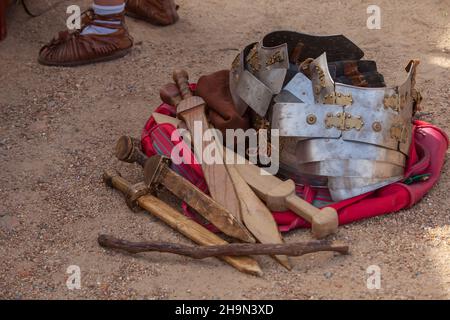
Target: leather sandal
72, 48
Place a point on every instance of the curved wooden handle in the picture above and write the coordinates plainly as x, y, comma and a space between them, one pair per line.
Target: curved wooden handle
304, 209
181, 78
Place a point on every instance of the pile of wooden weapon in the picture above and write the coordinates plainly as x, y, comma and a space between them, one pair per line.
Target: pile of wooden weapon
239, 203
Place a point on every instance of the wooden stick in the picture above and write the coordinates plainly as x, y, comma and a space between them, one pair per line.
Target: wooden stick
182, 224
233, 249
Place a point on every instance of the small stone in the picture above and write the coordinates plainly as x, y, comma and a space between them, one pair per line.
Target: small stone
328, 275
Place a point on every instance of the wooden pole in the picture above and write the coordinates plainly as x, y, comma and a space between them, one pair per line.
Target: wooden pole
232, 249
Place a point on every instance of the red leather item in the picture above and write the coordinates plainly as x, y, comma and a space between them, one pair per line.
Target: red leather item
214, 89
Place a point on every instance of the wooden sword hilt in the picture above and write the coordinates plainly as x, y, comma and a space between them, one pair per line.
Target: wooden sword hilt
181, 78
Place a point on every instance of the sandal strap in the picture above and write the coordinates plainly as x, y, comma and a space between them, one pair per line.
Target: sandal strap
89, 17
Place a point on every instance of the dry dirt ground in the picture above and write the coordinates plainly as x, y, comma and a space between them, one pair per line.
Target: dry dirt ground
58, 127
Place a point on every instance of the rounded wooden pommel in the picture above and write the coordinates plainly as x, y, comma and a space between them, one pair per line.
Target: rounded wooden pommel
128, 150
180, 74
109, 175
124, 147
325, 223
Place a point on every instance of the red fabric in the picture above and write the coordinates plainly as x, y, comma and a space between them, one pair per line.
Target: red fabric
426, 156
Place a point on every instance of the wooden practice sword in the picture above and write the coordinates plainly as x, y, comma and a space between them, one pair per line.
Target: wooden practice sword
280, 195
192, 110
157, 172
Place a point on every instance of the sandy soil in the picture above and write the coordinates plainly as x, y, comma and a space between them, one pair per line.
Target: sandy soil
58, 127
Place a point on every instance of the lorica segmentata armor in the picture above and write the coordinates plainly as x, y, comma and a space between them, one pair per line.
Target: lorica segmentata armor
340, 125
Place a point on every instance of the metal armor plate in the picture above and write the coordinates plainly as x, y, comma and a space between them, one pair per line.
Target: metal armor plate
348, 138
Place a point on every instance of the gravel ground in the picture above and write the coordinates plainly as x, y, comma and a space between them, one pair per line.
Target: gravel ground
58, 127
